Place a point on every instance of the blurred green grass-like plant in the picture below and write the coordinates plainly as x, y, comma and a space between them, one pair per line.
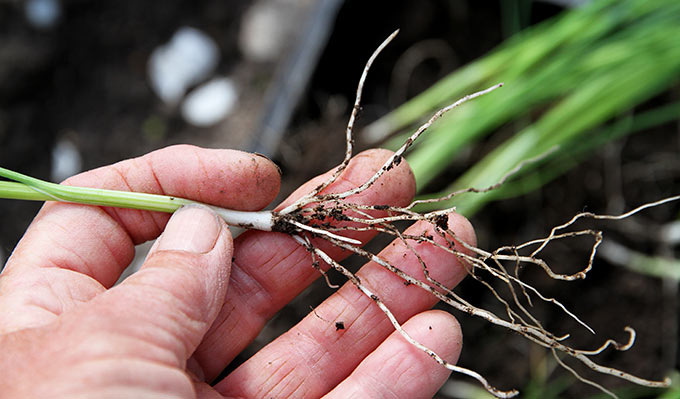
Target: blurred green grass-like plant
580, 70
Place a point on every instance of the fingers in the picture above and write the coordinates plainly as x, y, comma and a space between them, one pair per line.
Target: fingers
162, 311
397, 369
315, 355
134, 339
270, 269
72, 252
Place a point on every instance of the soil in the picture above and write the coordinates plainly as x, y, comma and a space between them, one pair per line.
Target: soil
86, 80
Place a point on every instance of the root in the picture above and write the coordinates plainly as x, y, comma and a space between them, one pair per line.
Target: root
306, 216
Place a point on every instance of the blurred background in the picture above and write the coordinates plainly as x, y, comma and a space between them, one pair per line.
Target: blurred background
592, 84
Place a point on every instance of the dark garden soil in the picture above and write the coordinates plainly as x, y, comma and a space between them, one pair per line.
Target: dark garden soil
86, 80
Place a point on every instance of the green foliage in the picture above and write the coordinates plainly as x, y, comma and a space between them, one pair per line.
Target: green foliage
29, 188
578, 71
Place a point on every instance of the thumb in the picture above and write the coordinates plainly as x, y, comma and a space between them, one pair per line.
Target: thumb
175, 297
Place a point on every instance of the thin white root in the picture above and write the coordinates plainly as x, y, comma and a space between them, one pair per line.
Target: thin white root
349, 134
601, 217
396, 158
509, 174
611, 342
395, 323
529, 328
325, 233
578, 376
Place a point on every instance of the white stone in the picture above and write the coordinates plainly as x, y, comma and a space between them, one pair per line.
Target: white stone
266, 29
210, 103
188, 58
43, 14
66, 160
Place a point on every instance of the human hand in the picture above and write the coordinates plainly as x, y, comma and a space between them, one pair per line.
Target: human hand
200, 298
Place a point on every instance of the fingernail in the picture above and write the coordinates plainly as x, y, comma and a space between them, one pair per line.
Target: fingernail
278, 168
191, 229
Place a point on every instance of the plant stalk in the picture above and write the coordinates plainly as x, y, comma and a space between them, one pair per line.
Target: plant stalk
29, 188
